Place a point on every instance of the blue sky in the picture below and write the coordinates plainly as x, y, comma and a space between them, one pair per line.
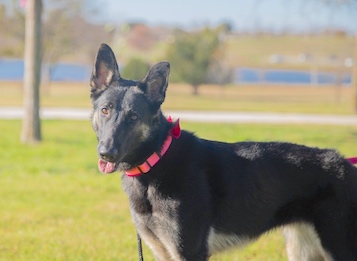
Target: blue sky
276, 15
244, 15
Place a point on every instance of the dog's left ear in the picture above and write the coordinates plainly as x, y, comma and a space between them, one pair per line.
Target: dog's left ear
155, 83
105, 70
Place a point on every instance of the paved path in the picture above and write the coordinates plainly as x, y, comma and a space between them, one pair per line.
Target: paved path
199, 116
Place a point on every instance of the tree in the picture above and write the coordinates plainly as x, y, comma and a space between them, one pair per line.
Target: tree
57, 39
220, 73
31, 124
135, 69
354, 75
191, 56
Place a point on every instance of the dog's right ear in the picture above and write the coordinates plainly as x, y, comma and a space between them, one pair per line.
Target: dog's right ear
105, 70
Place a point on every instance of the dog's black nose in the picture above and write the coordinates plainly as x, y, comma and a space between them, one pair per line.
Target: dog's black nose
110, 154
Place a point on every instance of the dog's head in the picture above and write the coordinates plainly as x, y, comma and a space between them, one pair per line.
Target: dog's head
126, 114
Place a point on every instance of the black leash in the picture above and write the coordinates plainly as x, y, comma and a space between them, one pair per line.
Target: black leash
140, 248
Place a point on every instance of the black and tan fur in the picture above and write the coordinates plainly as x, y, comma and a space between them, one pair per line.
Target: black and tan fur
206, 196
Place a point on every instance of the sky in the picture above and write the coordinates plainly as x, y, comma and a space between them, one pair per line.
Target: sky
244, 15
275, 15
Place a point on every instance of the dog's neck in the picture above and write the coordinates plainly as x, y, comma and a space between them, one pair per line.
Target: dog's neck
155, 157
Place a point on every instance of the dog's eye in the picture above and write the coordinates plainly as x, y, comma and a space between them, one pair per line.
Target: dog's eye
133, 117
105, 111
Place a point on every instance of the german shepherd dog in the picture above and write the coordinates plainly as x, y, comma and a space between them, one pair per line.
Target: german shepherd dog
191, 197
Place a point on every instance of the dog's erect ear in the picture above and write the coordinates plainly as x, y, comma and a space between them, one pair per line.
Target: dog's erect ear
105, 70
155, 83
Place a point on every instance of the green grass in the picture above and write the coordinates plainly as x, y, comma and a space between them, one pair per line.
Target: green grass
254, 50
56, 206
298, 99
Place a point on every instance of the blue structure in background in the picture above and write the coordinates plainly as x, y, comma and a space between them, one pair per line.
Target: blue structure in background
249, 75
12, 70
70, 72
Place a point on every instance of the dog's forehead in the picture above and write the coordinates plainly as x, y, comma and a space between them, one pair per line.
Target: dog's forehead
122, 97
133, 96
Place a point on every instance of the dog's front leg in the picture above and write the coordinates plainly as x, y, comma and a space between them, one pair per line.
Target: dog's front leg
155, 245
178, 245
189, 244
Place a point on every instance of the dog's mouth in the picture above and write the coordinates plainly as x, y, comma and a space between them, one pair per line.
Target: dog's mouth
107, 167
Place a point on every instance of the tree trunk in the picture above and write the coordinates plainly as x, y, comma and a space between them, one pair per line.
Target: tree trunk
31, 124
354, 76
195, 89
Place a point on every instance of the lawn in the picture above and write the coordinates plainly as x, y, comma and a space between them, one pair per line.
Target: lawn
272, 98
255, 50
56, 206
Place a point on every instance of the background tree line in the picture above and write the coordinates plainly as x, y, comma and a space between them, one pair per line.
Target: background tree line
66, 33
196, 58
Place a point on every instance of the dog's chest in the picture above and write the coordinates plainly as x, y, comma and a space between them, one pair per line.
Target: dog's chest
148, 203
154, 213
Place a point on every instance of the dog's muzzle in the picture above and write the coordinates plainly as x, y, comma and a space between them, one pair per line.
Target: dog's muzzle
108, 159
108, 154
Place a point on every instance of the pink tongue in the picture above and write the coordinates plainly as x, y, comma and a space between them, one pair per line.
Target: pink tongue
106, 167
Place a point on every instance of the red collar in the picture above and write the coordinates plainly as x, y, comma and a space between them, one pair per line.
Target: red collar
353, 160
150, 162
